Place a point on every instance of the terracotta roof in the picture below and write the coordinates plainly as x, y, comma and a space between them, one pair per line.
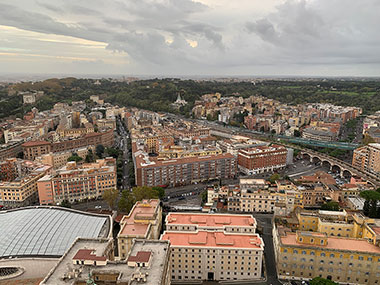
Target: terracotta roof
141, 256
335, 243
210, 220
213, 239
35, 143
86, 254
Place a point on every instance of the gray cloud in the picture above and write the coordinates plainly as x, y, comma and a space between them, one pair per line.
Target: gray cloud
154, 35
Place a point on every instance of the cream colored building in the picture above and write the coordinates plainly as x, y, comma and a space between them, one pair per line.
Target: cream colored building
214, 255
59, 159
143, 221
20, 187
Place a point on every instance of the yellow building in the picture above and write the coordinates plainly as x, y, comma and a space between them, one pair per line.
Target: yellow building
304, 255
143, 221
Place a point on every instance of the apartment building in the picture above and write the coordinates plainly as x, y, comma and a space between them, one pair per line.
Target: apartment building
262, 159
18, 182
91, 261
367, 158
143, 221
59, 159
77, 182
214, 255
255, 195
33, 149
151, 171
304, 255
9, 150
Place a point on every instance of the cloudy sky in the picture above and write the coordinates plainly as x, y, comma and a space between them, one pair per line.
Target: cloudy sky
185, 37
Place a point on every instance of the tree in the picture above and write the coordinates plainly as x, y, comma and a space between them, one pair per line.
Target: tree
331, 206
160, 191
274, 178
370, 205
75, 157
89, 157
126, 201
99, 150
110, 196
144, 192
297, 133
204, 197
66, 204
322, 281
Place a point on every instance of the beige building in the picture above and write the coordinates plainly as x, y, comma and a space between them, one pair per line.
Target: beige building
143, 221
18, 182
59, 159
214, 247
254, 195
92, 260
367, 158
212, 255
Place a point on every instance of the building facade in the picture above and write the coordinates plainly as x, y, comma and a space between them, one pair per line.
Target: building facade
77, 183
182, 171
18, 182
33, 149
214, 255
367, 158
262, 159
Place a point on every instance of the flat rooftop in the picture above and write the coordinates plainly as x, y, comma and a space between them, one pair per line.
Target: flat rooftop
159, 253
213, 240
142, 210
210, 220
335, 243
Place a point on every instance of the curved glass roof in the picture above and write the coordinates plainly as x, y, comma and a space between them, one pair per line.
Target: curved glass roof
46, 231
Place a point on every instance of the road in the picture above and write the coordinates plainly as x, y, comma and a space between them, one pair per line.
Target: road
123, 145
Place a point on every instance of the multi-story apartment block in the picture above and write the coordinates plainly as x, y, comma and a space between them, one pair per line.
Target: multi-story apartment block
9, 150
332, 245
151, 171
254, 195
262, 159
33, 149
18, 182
59, 159
367, 158
78, 182
143, 221
214, 255
91, 261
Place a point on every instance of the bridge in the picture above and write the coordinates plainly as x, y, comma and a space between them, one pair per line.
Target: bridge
343, 168
336, 165
337, 145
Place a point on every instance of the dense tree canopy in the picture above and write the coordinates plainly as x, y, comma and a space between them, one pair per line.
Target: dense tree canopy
158, 94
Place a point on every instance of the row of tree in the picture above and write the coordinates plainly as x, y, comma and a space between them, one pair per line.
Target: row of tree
127, 199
